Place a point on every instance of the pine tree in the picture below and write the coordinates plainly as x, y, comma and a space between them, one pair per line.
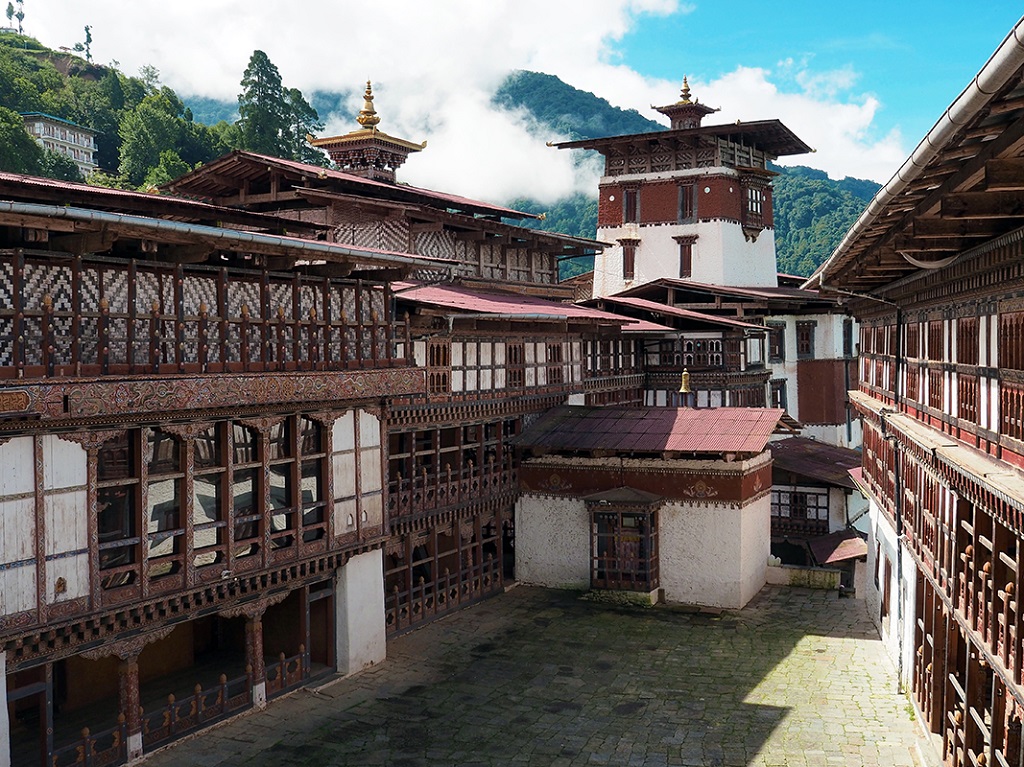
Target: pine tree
303, 120
262, 108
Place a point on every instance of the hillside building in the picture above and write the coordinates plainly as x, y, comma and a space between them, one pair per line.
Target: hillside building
934, 272
68, 138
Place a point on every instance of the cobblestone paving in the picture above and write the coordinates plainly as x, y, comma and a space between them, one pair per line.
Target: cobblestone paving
538, 677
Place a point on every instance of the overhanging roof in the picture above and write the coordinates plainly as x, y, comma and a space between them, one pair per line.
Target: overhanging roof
816, 460
672, 311
838, 547
769, 135
960, 188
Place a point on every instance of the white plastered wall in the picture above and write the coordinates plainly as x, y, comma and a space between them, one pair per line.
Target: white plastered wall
65, 503
360, 629
713, 554
721, 256
882, 538
553, 541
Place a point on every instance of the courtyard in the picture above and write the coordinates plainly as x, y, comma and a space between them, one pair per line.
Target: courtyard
544, 677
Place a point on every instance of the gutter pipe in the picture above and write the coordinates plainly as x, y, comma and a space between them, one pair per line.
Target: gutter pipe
230, 238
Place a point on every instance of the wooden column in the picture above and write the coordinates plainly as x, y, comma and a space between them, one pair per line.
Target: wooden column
254, 658
130, 703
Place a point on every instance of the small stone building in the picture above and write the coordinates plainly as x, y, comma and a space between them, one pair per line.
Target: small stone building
673, 503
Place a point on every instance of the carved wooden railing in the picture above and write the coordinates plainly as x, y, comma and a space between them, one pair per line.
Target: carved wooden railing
100, 749
80, 316
424, 491
202, 708
287, 672
405, 608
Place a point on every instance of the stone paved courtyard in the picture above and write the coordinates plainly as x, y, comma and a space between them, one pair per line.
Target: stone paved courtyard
539, 677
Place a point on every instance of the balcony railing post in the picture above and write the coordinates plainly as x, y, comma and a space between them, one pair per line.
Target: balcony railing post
203, 331
243, 340
47, 328
103, 337
154, 337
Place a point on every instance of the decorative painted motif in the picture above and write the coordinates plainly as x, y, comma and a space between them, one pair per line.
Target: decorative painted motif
72, 400
15, 401
700, 489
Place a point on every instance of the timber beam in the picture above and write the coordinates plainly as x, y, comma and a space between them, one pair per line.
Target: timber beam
1005, 175
991, 205
956, 228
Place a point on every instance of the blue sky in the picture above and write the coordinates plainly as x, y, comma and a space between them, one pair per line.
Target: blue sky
915, 57
861, 82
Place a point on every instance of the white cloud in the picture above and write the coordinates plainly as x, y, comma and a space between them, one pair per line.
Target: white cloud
435, 65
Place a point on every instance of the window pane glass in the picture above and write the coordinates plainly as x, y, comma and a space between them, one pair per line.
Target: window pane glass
280, 440
116, 518
245, 443
116, 459
209, 449
244, 488
281, 486
311, 485
163, 504
206, 502
311, 436
163, 452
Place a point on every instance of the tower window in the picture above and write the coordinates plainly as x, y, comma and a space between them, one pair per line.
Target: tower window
687, 203
628, 258
631, 205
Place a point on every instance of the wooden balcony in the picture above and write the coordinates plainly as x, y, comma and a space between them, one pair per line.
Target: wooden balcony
423, 493
90, 317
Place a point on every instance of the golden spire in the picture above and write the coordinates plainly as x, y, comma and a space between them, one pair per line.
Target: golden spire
367, 115
685, 94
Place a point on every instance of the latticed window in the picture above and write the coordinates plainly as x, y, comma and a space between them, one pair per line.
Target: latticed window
805, 340
515, 365
624, 550
556, 374
776, 342
967, 340
630, 205
628, 261
755, 205
913, 338
687, 203
439, 367
1011, 340
935, 340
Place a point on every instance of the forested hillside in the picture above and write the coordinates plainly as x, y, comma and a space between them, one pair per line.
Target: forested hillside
812, 211
149, 135
146, 134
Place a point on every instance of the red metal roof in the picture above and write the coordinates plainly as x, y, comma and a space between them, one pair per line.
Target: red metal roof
816, 460
673, 311
189, 180
652, 429
505, 304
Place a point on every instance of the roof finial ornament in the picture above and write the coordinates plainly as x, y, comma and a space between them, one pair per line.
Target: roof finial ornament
367, 115
685, 93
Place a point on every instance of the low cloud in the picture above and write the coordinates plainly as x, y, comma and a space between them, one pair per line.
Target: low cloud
435, 66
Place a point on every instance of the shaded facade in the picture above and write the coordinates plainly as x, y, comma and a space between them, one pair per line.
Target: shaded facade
933, 272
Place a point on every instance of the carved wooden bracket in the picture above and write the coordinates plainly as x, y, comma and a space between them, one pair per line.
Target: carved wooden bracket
255, 608
91, 440
126, 649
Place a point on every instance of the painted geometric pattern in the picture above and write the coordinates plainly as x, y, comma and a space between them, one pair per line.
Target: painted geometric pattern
436, 244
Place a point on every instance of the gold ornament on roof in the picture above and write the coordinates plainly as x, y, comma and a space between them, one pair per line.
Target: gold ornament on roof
684, 95
367, 115
684, 384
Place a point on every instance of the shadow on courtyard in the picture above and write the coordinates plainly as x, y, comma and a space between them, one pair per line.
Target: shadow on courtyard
541, 677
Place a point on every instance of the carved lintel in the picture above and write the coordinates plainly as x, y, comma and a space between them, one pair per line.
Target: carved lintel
185, 430
126, 649
325, 418
255, 608
92, 439
262, 424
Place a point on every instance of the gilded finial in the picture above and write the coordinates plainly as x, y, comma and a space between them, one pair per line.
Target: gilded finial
684, 385
367, 115
684, 95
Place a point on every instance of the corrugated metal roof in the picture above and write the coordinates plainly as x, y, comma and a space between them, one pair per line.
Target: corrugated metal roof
506, 304
838, 547
816, 460
196, 182
673, 311
652, 429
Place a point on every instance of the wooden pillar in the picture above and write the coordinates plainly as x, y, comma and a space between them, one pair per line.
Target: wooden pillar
254, 658
130, 703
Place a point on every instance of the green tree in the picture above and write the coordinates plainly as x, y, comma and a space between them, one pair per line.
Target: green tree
87, 45
20, 15
10, 14
263, 111
58, 165
302, 121
19, 152
145, 132
169, 168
